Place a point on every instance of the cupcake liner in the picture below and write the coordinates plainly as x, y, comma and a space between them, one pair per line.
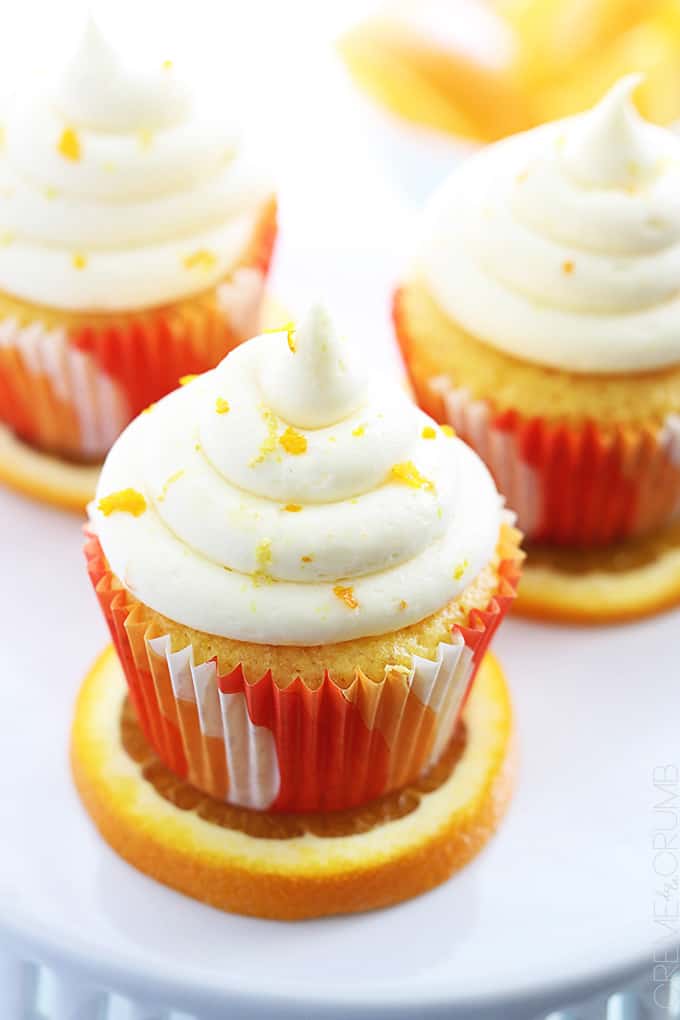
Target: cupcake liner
70, 389
573, 485
293, 748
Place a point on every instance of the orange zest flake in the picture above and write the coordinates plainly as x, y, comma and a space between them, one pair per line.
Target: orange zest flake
168, 482
346, 595
293, 508
460, 570
448, 430
269, 442
429, 433
408, 474
568, 267
201, 259
68, 145
263, 558
293, 442
184, 380
359, 430
149, 409
306, 559
6, 237
78, 260
222, 406
289, 329
167, 65
403, 604
126, 501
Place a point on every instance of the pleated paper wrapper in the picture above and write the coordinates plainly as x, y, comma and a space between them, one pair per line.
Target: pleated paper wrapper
70, 387
257, 744
581, 486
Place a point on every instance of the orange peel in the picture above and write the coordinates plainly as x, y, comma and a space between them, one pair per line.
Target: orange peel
290, 874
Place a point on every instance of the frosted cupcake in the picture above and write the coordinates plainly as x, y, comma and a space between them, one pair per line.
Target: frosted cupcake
135, 237
541, 320
301, 573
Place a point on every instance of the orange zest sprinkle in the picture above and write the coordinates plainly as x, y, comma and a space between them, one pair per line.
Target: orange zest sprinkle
568, 267
359, 430
79, 261
293, 508
201, 259
168, 482
346, 595
126, 501
460, 570
167, 65
293, 442
306, 559
68, 145
222, 406
408, 474
289, 329
428, 432
403, 604
184, 380
6, 238
449, 431
147, 410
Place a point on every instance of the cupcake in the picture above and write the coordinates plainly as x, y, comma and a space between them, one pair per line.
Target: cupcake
135, 237
540, 319
301, 573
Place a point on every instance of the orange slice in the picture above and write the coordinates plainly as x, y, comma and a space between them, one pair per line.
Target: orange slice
636, 579
63, 483
290, 867
43, 476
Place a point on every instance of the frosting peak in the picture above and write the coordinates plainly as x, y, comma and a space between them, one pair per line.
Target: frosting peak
562, 245
226, 514
98, 91
313, 380
610, 147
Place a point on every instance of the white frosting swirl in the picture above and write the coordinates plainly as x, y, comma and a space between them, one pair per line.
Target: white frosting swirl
263, 529
117, 192
562, 245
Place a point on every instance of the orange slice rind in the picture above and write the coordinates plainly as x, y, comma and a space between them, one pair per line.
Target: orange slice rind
638, 579
436, 828
43, 476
